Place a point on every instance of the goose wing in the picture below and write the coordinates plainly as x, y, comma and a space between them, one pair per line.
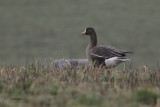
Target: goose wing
105, 52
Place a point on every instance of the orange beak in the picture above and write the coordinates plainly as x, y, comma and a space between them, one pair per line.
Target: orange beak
83, 33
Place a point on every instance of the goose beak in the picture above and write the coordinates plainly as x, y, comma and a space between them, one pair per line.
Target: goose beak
83, 33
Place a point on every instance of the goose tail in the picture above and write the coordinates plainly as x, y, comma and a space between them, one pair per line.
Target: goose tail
128, 52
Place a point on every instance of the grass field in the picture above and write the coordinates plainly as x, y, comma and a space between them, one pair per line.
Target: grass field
51, 28
39, 86
32, 30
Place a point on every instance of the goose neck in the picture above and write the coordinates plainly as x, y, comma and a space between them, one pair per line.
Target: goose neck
93, 39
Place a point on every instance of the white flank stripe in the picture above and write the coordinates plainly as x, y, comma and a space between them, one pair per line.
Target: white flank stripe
97, 55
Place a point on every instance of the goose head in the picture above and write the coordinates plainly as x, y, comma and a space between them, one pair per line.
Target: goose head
88, 31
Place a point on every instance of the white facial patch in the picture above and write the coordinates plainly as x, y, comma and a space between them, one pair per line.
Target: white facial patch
84, 31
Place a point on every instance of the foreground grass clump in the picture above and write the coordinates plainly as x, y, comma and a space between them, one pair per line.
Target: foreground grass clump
145, 96
38, 85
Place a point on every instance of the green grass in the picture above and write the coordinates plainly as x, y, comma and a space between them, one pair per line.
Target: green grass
145, 96
38, 85
39, 29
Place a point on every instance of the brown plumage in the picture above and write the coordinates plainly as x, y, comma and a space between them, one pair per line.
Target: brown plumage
99, 54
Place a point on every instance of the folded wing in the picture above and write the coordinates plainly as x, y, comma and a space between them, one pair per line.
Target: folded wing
105, 52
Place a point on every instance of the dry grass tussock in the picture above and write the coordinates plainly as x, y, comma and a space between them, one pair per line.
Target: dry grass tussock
39, 85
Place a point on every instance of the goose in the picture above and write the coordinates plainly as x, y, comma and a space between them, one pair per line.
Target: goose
103, 55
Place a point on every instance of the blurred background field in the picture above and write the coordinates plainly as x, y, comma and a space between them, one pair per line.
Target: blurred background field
36, 29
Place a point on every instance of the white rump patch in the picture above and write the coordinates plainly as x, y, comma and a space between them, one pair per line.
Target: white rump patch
114, 61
